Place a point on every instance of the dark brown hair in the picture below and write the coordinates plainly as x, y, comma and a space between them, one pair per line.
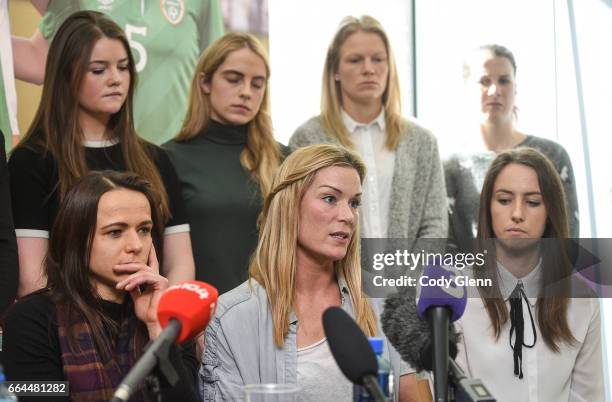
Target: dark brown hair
552, 307
494, 50
56, 124
68, 260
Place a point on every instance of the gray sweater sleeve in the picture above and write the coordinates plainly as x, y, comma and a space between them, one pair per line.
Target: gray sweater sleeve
566, 171
434, 224
463, 200
309, 133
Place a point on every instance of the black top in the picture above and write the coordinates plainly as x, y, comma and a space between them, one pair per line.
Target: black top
9, 268
222, 202
32, 352
34, 178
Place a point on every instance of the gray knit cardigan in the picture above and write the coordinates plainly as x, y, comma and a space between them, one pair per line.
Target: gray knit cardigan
418, 207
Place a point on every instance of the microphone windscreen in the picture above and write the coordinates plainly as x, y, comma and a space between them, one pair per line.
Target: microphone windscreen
349, 345
409, 334
427, 352
192, 303
441, 291
404, 329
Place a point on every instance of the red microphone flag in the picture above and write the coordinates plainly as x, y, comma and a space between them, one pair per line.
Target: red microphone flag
192, 303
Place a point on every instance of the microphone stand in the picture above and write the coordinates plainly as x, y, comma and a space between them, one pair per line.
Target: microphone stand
453, 382
371, 385
153, 388
161, 360
463, 389
439, 319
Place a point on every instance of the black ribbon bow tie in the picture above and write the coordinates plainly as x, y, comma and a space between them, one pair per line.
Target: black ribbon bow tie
517, 324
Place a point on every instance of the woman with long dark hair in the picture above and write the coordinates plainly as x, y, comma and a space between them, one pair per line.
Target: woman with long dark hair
532, 335
85, 122
91, 323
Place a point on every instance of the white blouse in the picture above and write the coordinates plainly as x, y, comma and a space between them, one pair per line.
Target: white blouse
369, 140
575, 373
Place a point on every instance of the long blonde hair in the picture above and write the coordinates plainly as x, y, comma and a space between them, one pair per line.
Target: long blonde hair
274, 263
261, 156
331, 95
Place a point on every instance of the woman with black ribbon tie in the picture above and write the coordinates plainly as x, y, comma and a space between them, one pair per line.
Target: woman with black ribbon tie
526, 337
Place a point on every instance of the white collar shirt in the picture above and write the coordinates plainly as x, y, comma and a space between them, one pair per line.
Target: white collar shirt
532, 282
369, 140
573, 374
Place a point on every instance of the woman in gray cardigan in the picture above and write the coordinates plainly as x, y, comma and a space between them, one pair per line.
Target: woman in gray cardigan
404, 194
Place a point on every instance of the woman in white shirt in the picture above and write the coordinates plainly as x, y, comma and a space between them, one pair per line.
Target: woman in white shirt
403, 194
525, 339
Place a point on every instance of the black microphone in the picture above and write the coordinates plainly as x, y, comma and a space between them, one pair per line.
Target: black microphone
440, 301
352, 351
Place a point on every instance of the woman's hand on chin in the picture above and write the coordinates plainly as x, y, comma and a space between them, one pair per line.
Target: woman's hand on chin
146, 286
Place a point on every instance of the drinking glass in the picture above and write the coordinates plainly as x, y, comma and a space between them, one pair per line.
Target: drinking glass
271, 392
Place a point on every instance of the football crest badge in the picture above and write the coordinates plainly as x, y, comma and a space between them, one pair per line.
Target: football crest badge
173, 10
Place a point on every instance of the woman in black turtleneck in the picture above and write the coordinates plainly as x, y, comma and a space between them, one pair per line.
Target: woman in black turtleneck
226, 156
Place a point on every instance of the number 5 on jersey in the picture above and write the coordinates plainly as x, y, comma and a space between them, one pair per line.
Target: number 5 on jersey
137, 47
